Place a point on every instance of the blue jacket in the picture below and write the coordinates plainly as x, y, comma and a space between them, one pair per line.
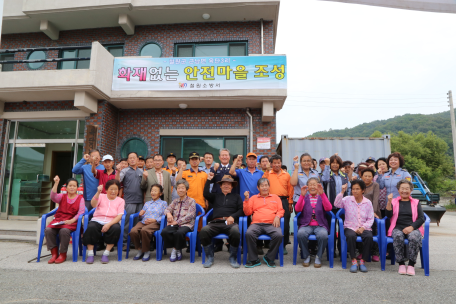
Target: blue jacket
390, 180
89, 181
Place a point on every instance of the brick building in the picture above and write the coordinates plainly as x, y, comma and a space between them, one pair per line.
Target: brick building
48, 109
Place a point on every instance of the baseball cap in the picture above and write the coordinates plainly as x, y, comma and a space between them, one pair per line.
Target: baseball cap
193, 155
141, 157
171, 154
251, 154
107, 157
321, 160
371, 158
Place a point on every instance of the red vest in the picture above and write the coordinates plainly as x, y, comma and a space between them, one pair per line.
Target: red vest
66, 212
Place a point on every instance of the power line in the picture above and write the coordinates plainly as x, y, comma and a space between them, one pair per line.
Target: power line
320, 97
379, 94
370, 107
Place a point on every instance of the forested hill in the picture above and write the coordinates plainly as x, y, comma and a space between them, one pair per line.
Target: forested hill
439, 124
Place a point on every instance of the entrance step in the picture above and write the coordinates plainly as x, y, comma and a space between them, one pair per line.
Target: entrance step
18, 231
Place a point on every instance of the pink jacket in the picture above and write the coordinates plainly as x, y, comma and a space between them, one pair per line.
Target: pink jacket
395, 203
356, 215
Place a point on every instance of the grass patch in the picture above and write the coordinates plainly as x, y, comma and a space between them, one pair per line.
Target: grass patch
451, 207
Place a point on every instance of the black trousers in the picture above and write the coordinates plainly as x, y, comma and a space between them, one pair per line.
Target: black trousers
286, 220
212, 229
174, 236
367, 238
93, 234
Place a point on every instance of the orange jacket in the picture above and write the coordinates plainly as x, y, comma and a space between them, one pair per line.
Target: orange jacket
264, 209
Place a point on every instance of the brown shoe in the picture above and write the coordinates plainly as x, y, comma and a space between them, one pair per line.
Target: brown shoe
317, 265
306, 264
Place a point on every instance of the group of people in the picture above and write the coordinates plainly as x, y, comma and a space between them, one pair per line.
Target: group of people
263, 191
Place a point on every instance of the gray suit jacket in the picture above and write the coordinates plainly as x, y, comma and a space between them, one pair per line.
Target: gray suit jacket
152, 179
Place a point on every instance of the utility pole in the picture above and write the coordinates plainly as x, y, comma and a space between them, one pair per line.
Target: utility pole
453, 125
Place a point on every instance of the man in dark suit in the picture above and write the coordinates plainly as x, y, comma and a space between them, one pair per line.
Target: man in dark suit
157, 175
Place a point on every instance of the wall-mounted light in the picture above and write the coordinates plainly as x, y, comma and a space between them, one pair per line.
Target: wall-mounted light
206, 16
183, 106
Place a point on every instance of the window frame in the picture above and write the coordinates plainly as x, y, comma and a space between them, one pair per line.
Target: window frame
228, 43
2, 58
161, 49
75, 62
43, 63
133, 138
224, 138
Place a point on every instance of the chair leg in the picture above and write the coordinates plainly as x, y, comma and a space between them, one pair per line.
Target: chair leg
75, 247
281, 253
40, 246
343, 248
295, 247
128, 247
245, 251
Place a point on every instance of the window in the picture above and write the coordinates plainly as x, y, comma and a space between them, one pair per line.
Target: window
76, 53
210, 49
151, 49
134, 144
115, 50
7, 66
36, 56
183, 146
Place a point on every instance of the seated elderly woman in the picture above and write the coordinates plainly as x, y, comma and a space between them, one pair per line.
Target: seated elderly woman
359, 217
105, 221
71, 206
150, 218
180, 214
313, 204
407, 219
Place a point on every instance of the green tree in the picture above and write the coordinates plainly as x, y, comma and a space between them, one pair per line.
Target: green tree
377, 134
425, 154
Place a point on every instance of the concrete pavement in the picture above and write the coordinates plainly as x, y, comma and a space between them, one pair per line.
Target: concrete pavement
165, 282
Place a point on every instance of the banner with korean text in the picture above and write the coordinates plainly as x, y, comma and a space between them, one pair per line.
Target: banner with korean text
200, 73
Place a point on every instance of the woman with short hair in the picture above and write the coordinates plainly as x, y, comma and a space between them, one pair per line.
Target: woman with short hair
390, 179
71, 206
359, 217
105, 221
407, 219
181, 215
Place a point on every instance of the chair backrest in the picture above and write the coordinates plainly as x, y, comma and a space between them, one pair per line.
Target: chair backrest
199, 209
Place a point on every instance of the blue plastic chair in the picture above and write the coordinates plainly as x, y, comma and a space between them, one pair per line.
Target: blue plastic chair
192, 235
157, 234
424, 251
119, 243
222, 236
75, 235
262, 237
343, 240
330, 246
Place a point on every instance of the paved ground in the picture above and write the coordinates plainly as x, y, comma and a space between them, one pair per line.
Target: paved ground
182, 282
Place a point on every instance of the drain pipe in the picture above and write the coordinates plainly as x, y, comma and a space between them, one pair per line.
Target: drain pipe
250, 129
261, 22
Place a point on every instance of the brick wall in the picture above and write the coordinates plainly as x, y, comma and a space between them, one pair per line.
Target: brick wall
164, 35
40, 106
106, 120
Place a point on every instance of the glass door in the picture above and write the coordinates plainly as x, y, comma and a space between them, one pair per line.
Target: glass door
37, 151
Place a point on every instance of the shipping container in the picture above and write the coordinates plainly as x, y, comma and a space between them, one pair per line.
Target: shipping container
356, 149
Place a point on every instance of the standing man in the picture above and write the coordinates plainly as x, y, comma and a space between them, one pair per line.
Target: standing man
149, 163
133, 194
196, 179
281, 186
208, 161
248, 179
173, 169
220, 170
141, 162
157, 175
89, 181
104, 175
265, 165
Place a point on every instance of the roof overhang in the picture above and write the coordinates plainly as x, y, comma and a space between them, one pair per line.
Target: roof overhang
436, 6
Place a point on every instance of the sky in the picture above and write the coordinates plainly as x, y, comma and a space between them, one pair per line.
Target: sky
349, 64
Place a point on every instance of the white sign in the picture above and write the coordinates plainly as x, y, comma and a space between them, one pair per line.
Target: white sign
263, 143
438, 6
